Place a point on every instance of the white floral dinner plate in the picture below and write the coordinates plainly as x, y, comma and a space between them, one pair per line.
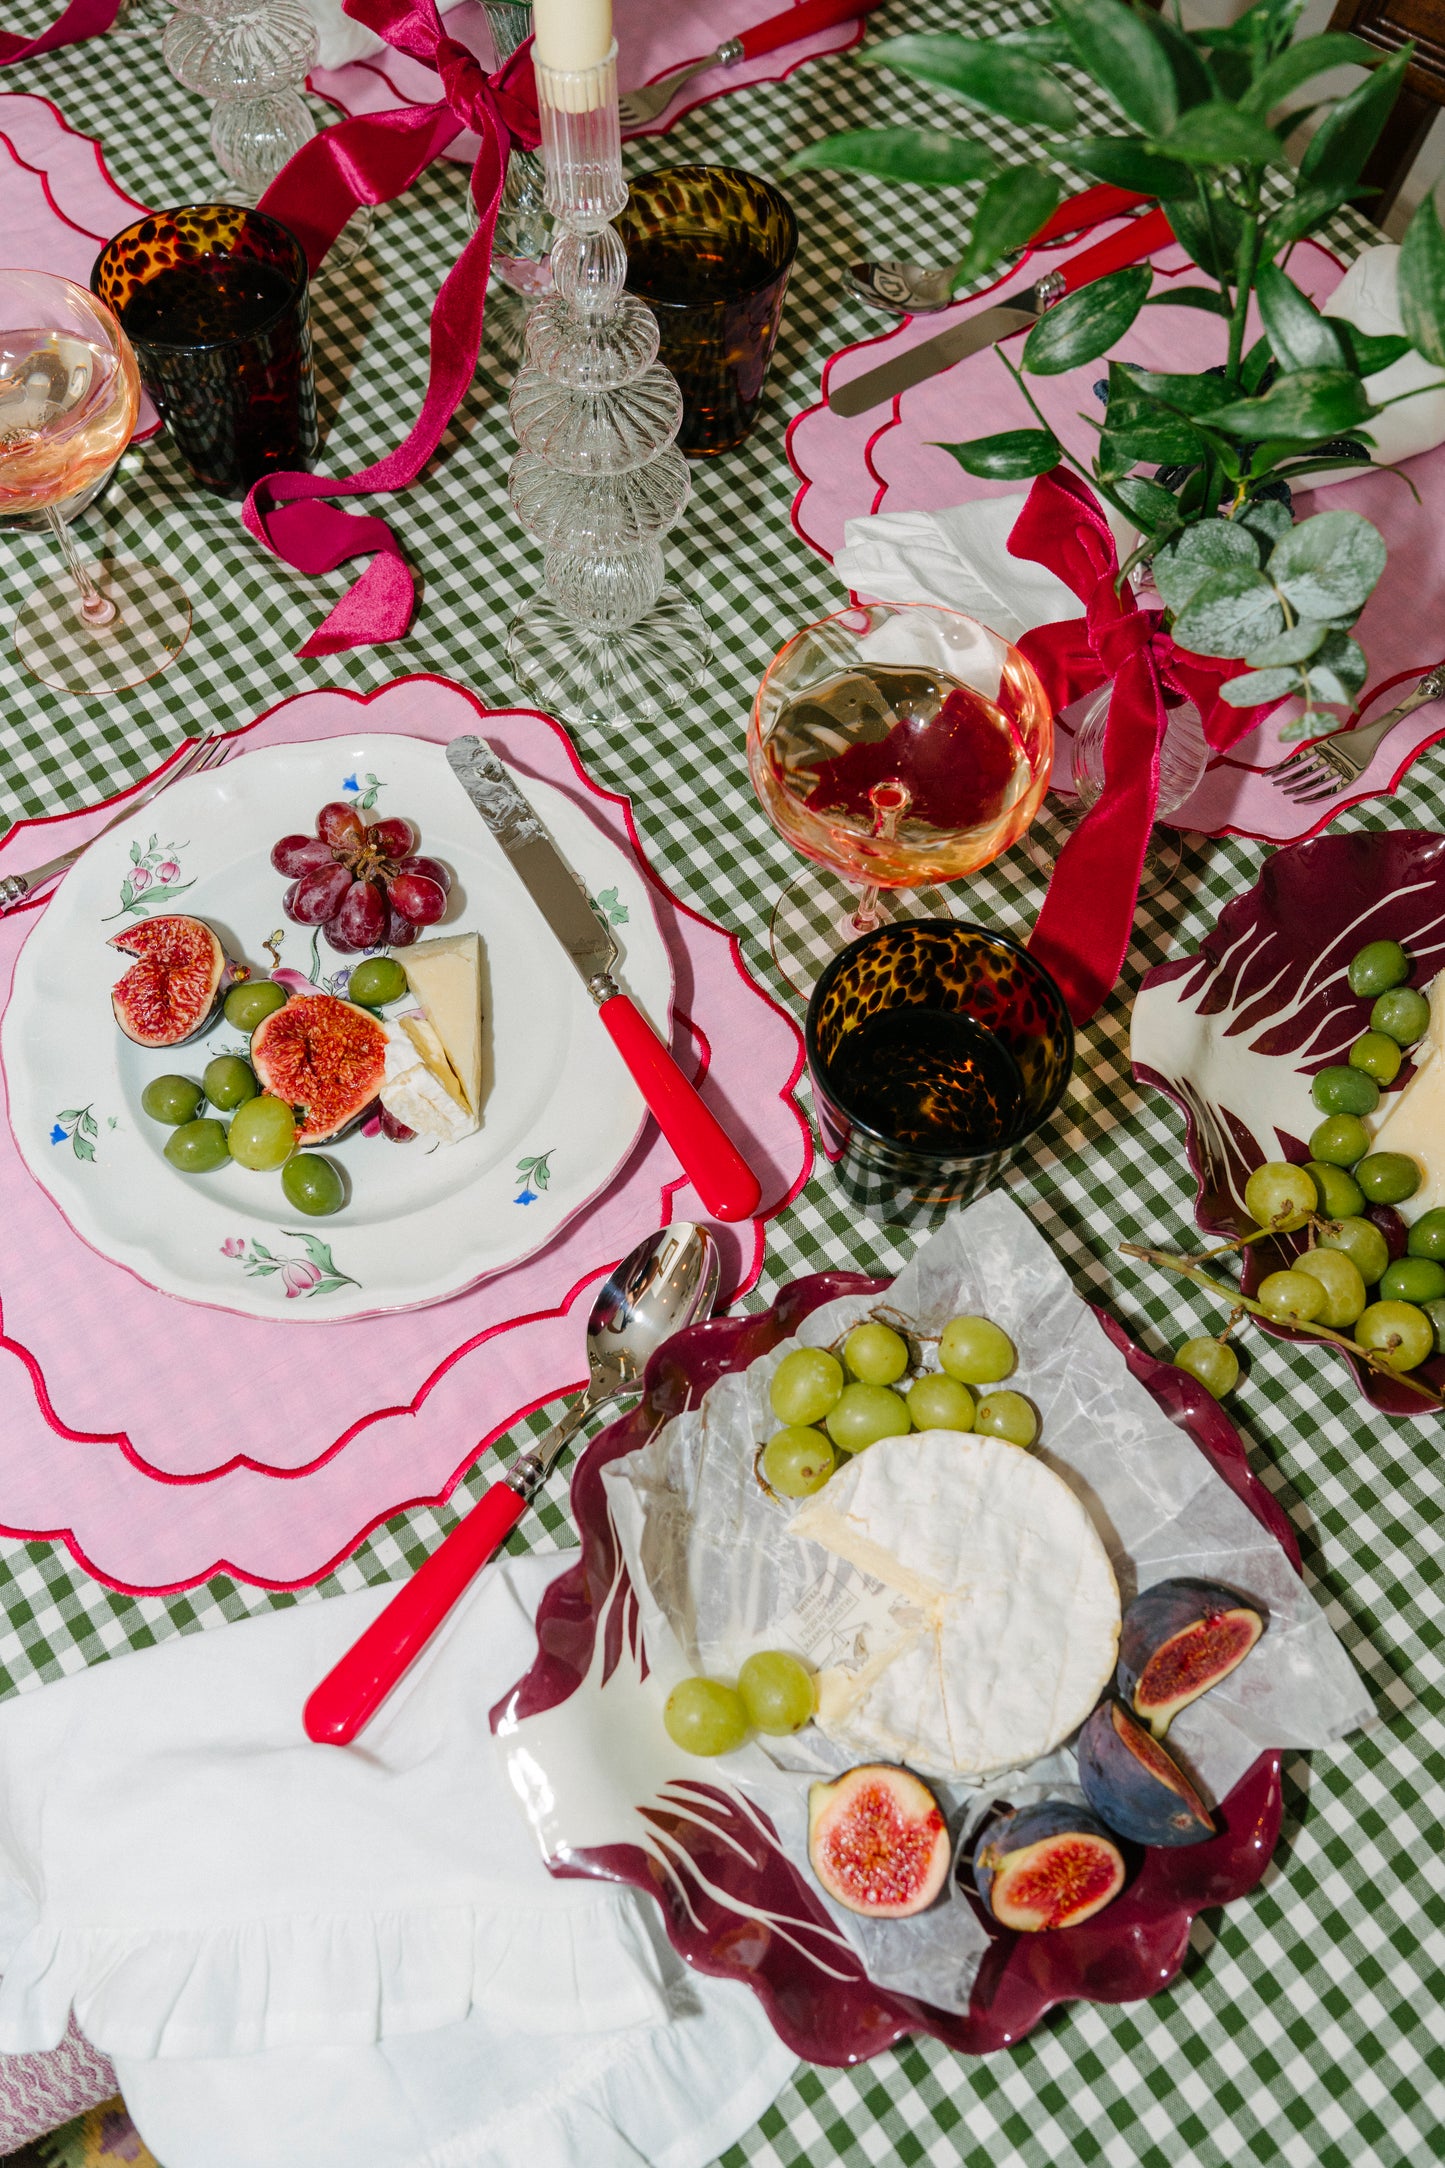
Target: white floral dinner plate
423, 1220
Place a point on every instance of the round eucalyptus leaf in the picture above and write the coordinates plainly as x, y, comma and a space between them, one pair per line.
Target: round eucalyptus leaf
1232, 612
1295, 644
1256, 686
1328, 566
1209, 546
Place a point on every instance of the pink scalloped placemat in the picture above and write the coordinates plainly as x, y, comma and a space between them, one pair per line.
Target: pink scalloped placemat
890, 460
162, 1442
651, 40
60, 204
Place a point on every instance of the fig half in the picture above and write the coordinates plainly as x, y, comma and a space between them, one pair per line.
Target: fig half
172, 991
1049, 1865
323, 1056
1134, 1785
1180, 1638
877, 1841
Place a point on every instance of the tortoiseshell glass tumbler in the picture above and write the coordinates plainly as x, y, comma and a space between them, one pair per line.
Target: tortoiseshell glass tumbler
213, 298
935, 1048
709, 249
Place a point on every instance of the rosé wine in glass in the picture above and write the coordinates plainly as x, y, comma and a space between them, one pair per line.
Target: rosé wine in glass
68, 406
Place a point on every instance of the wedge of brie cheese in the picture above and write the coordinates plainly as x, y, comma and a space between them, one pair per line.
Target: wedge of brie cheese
419, 1085
433, 1079
1009, 1626
1413, 1120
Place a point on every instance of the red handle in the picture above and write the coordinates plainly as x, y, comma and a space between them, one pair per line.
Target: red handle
711, 1161
800, 22
354, 1689
1140, 238
1089, 208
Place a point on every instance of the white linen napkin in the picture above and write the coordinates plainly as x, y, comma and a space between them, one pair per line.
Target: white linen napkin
182, 1867
957, 557
1368, 297
341, 39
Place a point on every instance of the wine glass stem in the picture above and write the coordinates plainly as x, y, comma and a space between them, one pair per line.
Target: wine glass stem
867, 915
92, 607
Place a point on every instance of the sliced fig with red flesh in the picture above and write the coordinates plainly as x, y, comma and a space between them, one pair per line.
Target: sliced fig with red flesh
326, 1058
172, 991
877, 1841
1180, 1638
1048, 1865
1134, 1786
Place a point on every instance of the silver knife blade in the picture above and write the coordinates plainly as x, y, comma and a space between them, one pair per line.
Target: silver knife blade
931, 355
545, 874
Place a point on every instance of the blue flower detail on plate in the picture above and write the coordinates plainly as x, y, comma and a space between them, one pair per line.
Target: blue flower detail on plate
76, 1126
313, 1273
536, 1173
365, 789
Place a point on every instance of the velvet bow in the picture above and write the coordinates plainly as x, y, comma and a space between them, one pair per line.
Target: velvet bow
370, 159
1082, 934
81, 19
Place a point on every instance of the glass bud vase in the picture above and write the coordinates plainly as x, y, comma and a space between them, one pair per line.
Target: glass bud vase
250, 57
599, 479
523, 238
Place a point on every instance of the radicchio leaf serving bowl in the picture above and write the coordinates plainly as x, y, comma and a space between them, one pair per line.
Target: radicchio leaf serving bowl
733, 1904
1235, 1033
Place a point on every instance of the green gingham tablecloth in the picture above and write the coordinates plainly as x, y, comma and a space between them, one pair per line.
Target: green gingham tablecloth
1306, 2026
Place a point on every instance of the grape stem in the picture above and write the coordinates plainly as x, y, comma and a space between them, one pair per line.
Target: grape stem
1370, 1357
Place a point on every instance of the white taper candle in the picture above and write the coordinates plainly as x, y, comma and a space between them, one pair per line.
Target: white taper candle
572, 34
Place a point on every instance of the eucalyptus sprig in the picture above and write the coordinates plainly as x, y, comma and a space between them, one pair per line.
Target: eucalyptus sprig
1205, 114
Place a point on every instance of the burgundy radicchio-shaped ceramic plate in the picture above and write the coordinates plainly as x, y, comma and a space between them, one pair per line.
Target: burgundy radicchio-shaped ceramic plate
1235, 1034
734, 1905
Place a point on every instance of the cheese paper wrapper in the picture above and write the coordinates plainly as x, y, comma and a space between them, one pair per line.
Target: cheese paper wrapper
718, 1575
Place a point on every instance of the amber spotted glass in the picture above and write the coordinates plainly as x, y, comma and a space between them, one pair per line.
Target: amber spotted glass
709, 249
213, 298
935, 1048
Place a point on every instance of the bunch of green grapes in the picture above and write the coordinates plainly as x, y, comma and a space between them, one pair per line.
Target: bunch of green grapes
774, 1694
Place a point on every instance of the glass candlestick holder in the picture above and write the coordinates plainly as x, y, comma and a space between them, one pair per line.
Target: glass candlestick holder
598, 479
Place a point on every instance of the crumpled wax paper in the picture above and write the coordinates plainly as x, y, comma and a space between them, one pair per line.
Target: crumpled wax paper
718, 1575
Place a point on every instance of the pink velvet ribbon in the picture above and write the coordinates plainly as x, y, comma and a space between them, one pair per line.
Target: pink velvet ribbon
1082, 933
82, 19
371, 159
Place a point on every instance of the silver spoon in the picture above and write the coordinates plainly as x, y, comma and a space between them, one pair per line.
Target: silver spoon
668, 1281
904, 289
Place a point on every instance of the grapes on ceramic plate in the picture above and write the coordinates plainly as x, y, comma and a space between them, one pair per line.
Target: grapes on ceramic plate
875, 1354
862, 1414
252, 1002
1339, 1276
976, 1351
362, 883
1377, 967
198, 1147
1212, 1363
263, 1135
1398, 1332
229, 1081
777, 1692
797, 1460
1291, 1297
1280, 1196
295, 855
313, 1184
1362, 1242
938, 1402
1435, 1311
1007, 1415
805, 1385
1427, 1236
1340, 1195
172, 1100
703, 1716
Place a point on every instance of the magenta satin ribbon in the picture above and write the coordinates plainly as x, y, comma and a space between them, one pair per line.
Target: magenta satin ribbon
370, 159
82, 19
1082, 933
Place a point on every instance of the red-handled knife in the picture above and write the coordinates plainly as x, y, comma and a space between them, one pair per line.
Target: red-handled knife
637, 107
1141, 237
713, 1164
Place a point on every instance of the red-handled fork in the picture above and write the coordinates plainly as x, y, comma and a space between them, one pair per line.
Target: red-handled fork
637, 107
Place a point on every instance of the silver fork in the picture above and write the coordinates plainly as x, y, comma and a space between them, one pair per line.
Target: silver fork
207, 752
1321, 771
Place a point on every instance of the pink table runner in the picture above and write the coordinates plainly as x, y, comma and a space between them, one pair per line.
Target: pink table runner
890, 460
162, 1442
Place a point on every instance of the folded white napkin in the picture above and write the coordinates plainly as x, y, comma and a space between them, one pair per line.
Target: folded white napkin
1368, 297
340, 38
182, 1866
958, 557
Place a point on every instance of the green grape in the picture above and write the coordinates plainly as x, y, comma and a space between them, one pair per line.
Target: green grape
875, 1354
1403, 1015
862, 1414
230, 1081
1278, 1195
376, 981
1378, 1055
1290, 1298
1343, 1090
703, 1716
1339, 1276
1213, 1362
313, 1185
197, 1147
1340, 1140
1413, 1279
1435, 1311
1388, 1177
1399, 1331
776, 1691
1362, 1242
805, 1385
172, 1100
1341, 1196
1008, 1416
252, 1002
939, 1402
797, 1461
263, 1136
1427, 1236
976, 1351
1377, 967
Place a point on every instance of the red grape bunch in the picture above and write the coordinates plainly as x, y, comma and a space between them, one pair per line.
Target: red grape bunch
360, 881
